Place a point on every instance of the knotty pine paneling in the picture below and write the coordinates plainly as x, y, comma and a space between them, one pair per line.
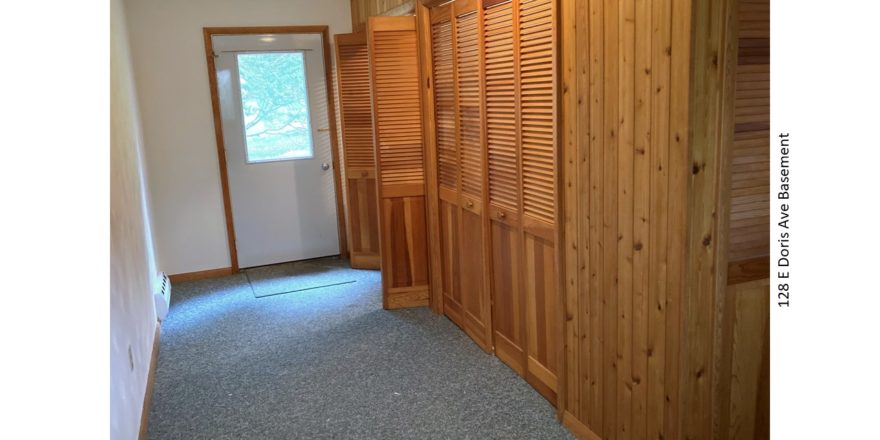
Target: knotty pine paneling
353, 79
361, 10
400, 164
647, 133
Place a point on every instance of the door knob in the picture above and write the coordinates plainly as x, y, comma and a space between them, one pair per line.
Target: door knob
325, 166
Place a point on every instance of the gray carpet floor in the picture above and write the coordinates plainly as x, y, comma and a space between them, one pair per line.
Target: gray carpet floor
330, 363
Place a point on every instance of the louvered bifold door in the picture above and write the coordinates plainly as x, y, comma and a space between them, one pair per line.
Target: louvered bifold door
445, 123
473, 229
537, 94
504, 211
399, 147
353, 77
458, 113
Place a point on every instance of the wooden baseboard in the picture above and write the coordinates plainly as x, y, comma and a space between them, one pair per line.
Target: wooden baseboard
364, 261
406, 297
148, 394
200, 275
577, 428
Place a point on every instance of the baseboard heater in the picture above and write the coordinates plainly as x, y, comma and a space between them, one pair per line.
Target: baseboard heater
162, 296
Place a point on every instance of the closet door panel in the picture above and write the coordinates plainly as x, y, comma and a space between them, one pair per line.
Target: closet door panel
470, 120
542, 312
363, 210
353, 77
537, 88
501, 104
399, 150
443, 64
474, 289
503, 200
404, 252
450, 250
508, 307
444, 97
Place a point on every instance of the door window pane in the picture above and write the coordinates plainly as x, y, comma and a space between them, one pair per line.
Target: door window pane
275, 106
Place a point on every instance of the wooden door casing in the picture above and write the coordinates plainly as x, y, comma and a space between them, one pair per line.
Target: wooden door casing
395, 83
353, 77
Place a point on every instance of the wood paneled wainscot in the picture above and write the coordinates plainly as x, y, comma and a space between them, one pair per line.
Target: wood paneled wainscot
652, 333
353, 77
399, 150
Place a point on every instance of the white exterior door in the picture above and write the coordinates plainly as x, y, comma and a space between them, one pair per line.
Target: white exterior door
273, 102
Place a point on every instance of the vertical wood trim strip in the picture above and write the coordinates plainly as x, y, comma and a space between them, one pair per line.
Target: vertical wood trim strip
486, 225
584, 288
423, 18
641, 215
596, 123
221, 148
609, 212
569, 378
334, 143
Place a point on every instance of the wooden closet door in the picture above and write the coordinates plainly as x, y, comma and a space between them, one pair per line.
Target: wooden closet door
504, 211
473, 228
353, 77
456, 63
400, 175
537, 91
445, 106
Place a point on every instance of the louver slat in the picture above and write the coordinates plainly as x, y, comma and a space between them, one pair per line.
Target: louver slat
354, 100
501, 127
537, 91
444, 102
398, 108
469, 103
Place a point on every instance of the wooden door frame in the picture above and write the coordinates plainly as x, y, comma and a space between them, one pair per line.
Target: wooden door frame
324, 31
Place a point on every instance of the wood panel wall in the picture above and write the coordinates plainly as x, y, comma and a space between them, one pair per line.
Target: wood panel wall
362, 10
395, 87
750, 173
647, 134
353, 77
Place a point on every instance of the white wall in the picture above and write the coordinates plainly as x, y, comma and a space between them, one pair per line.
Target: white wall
132, 263
172, 79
